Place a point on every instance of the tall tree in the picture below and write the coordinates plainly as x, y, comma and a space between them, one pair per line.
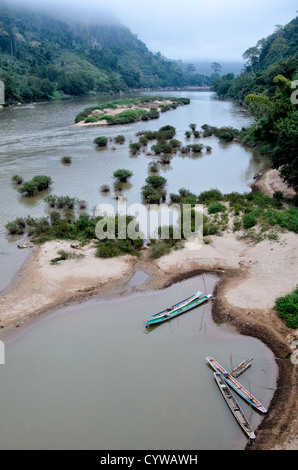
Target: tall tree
216, 67
252, 54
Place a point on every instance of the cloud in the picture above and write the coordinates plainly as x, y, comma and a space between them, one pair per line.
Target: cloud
188, 29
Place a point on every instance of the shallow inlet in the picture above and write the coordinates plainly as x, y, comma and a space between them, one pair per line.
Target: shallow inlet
90, 376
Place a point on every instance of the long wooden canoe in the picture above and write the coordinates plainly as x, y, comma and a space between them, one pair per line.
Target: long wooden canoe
234, 406
235, 385
178, 305
181, 307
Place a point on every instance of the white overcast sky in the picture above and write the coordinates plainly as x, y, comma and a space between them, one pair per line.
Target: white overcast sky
190, 29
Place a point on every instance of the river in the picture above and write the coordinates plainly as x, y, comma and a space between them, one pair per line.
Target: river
89, 375
34, 137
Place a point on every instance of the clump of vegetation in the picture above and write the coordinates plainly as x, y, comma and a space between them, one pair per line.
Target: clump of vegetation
161, 147
159, 249
134, 147
225, 134
64, 255
64, 202
105, 188
209, 196
287, 308
122, 175
249, 220
192, 148
216, 207
117, 247
82, 204
17, 226
164, 244
66, 160
101, 141
165, 159
153, 167
119, 139
36, 184
17, 179
166, 133
154, 190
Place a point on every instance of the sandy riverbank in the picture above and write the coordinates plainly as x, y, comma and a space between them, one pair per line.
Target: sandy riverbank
118, 110
251, 278
269, 181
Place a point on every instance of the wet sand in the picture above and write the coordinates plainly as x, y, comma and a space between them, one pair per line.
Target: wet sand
251, 275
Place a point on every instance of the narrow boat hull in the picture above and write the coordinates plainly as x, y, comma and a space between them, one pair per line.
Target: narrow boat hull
235, 385
171, 313
177, 305
234, 406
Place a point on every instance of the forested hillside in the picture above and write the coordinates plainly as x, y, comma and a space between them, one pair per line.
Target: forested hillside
274, 55
43, 58
267, 87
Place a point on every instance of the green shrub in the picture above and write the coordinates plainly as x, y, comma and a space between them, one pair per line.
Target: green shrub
153, 113
134, 147
17, 179
153, 195
150, 135
122, 175
153, 167
159, 249
90, 119
249, 220
101, 141
175, 144
287, 308
51, 200
17, 226
156, 181
226, 136
66, 160
42, 182
197, 148
106, 249
111, 248
162, 146
36, 184
166, 133
216, 207
212, 195
29, 188
119, 139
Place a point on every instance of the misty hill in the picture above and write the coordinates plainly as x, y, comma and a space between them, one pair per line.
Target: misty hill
45, 58
274, 55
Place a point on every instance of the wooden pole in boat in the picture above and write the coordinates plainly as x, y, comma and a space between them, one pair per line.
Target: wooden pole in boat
204, 284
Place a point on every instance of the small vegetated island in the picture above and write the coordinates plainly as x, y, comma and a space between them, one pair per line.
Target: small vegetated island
127, 110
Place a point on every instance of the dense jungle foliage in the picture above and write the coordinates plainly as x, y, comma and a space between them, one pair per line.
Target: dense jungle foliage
268, 86
42, 58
